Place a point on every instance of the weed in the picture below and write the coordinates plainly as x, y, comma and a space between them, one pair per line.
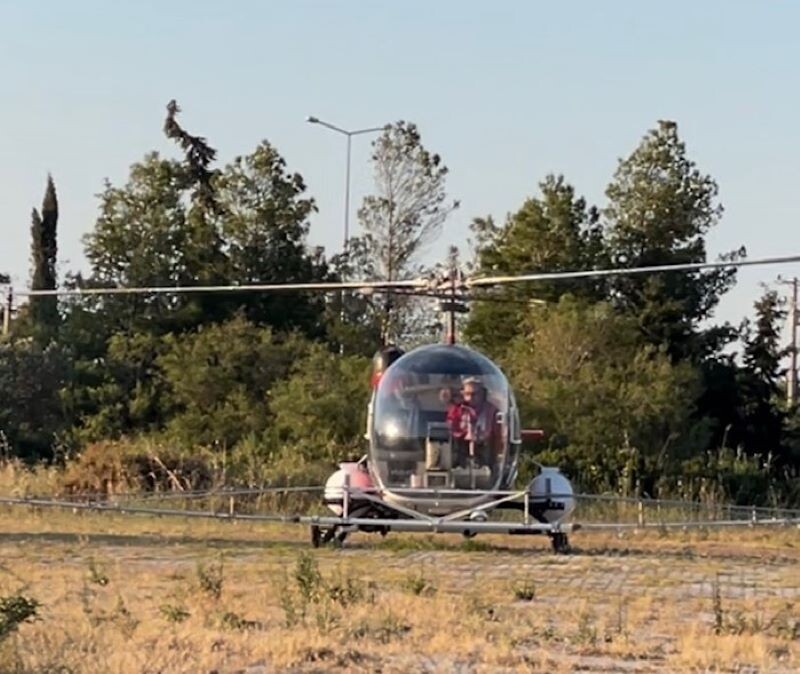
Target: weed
716, 607
783, 624
622, 616
524, 590
418, 584
548, 632
478, 606
96, 574
233, 621
308, 587
587, 630
383, 630
344, 591
210, 578
307, 577
471, 545
123, 619
174, 613
293, 613
325, 617
16, 609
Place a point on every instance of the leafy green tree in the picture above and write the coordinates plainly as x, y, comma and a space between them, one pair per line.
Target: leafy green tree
264, 225
407, 211
321, 407
220, 380
31, 414
142, 239
661, 207
127, 395
181, 224
552, 232
615, 408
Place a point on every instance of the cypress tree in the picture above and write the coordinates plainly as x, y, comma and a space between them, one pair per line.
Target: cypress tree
44, 251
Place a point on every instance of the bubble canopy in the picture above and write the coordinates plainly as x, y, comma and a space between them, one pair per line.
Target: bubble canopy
443, 417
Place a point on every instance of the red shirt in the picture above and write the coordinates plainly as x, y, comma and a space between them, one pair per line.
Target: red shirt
468, 423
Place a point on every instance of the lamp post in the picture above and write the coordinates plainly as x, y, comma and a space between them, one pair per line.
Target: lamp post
345, 132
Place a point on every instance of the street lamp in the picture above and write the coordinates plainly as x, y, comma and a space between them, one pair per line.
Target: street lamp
315, 120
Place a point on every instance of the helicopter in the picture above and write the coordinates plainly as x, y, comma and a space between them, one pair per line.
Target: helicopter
443, 430
444, 438
439, 462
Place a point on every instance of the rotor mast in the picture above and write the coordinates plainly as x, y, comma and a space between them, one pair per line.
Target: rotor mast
451, 305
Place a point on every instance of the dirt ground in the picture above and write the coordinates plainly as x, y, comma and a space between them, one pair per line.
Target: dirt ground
146, 594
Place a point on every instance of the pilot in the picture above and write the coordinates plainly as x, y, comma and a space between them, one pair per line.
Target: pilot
482, 420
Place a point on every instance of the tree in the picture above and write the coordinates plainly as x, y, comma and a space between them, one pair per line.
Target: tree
31, 415
552, 232
407, 211
43, 312
125, 395
264, 225
759, 382
142, 239
199, 156
354, 320
660, 209
615, 408
220, 380
321, 407
180, 224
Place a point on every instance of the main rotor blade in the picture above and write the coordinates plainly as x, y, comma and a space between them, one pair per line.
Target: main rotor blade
264, 287
625, 271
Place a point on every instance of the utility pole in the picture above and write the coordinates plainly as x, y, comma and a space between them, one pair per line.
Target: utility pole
791, 376
792, 387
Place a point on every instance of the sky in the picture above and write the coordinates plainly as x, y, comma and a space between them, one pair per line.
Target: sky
505, 91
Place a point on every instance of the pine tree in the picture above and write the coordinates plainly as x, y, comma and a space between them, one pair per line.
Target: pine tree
552, 231
661, 208
761, 411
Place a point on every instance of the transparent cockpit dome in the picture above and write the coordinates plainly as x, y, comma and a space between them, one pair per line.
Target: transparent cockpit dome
443, 418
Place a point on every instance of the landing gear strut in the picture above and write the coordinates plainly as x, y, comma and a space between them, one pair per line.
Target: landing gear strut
320, 536
560, 543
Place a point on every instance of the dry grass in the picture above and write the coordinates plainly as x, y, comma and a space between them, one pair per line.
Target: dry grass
145, 594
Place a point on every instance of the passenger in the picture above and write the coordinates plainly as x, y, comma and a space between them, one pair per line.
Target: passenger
457, 416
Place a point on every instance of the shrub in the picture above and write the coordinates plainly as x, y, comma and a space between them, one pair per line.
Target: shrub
16, 609
122, 466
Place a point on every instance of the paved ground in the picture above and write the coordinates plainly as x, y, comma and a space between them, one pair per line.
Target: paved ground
650, 588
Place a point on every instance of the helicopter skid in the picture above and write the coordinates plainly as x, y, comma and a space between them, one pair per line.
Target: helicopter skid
335, 530
369, 513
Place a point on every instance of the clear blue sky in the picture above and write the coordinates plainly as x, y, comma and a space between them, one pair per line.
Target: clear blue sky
505, 91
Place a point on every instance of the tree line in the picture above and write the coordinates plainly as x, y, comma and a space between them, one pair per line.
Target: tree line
637, 387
